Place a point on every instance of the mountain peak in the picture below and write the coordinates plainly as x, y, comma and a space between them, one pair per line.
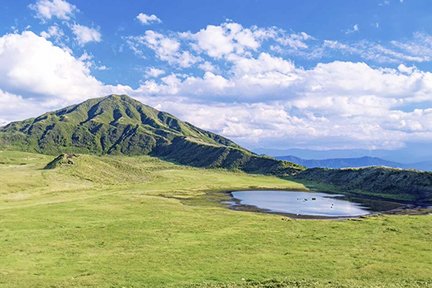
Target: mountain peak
117, 97
119, 124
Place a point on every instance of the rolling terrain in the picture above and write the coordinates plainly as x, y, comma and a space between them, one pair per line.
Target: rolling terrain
120, 125
119, 221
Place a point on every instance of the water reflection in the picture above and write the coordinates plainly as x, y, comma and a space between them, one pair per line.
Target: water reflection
301, 203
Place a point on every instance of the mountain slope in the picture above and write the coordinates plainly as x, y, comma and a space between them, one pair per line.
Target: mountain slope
118, 124
341, 162
409, 186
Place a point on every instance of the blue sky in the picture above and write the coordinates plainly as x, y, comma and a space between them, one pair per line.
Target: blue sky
268, 74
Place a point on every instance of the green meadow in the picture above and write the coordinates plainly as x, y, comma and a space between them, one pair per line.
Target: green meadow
118, 221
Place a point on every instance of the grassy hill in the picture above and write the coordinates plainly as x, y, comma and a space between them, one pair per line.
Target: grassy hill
120, 125
117, 221
409, 186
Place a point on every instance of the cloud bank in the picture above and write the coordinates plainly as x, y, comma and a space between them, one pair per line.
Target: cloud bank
241, 82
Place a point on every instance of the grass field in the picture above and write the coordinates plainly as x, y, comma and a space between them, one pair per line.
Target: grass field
121, 222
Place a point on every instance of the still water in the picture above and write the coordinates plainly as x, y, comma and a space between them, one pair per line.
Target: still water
300, 203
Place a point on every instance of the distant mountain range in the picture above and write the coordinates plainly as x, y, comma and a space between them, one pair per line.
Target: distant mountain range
364, 161
118, 124
411, 153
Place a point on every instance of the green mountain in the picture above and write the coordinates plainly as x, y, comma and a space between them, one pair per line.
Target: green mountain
118, 124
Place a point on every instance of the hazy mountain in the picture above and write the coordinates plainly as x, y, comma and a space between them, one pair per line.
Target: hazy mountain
424, 165
341, 162
412, 153
364, 161
118, 124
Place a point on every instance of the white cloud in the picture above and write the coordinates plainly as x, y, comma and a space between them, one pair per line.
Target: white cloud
354, 29
207, 67
295, 40
154, 72
166, 48
54, 31
14, 107
48, 9
222, 40
84, 34
420, 46
31, 65
36, 76
148, 19
268, 100
378, 53
250, 94
405, 69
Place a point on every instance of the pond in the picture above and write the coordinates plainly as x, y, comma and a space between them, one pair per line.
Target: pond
317, 204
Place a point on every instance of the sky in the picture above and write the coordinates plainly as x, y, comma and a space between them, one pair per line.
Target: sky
273, 74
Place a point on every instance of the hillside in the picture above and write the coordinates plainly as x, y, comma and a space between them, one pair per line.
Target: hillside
387, 183
336, 163
118, 124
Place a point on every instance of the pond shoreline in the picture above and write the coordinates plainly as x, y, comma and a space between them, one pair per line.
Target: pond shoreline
401, 209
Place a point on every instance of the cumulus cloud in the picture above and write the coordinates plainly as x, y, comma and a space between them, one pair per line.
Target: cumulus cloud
53, 31
343, 104
340, 97
216, 43
148, 19
14, 107
48, 9
37, 76
84, 34
222, 40
166, 48
154, 72
31, 65
253, 95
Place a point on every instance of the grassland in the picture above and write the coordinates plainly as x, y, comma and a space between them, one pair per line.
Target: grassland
121, 222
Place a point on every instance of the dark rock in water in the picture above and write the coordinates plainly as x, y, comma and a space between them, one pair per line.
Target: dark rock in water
61, 160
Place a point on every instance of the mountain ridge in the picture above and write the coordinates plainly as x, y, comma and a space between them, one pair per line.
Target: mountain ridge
119, 124
355, 162
336, 163
409, 186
